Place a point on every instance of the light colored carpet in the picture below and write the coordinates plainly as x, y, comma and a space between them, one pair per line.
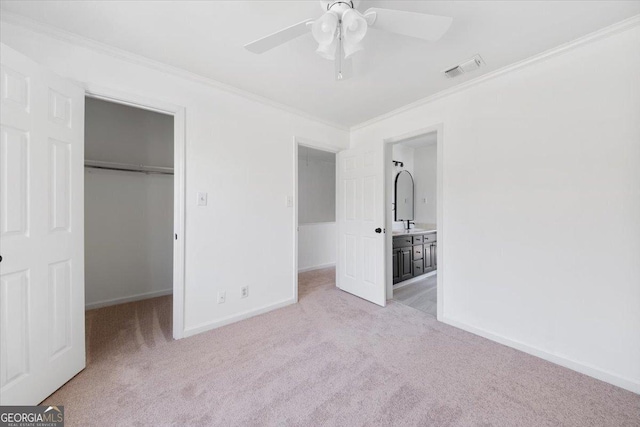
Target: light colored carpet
332, 359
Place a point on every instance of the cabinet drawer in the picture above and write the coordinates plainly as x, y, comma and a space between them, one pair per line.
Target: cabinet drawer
418, 252
400, 242
417, 268
430, 237
417, 240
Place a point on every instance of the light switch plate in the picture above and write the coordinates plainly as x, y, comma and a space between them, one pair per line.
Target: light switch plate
289, 201
202, 199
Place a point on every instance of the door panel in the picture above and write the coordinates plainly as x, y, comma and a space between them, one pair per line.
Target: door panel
428, 259
41, 209
360, 268
406, 263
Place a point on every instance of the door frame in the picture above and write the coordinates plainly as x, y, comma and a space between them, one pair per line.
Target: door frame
388, 144
298, 141
179, 183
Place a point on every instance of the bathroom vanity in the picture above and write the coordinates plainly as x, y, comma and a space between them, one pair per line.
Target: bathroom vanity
414, 254
414, 249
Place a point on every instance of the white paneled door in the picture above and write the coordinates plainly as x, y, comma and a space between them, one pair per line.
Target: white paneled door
360, 267
41, 231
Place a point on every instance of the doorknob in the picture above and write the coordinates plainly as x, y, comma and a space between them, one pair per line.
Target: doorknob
378, 230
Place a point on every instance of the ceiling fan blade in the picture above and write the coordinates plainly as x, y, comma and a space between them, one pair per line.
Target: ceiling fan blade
279, 37
411, 24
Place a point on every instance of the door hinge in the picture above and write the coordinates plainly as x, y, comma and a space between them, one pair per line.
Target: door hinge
176, 235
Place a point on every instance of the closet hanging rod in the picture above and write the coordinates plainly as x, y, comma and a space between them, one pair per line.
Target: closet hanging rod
96, 164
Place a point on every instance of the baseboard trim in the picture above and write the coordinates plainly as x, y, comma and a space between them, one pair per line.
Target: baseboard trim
586, 369
316, 267
132, 298
203, 327
414, 280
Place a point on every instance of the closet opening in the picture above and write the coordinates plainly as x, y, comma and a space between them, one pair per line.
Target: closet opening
315, 219
129, 227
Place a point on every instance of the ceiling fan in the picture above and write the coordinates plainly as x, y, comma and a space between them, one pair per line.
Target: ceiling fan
340, 30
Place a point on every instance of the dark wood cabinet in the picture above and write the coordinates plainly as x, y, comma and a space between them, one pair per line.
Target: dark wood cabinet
413, 255
406, 263
428, 258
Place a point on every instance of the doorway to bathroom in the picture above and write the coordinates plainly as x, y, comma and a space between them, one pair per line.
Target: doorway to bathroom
413, 219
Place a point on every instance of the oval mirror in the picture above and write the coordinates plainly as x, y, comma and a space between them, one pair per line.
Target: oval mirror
404, 196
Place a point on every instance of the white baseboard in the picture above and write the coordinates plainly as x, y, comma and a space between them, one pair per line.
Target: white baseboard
414, 280
316, 267
188, 332
137, 297
589, 370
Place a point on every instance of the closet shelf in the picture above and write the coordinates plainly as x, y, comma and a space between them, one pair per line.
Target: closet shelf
97, 164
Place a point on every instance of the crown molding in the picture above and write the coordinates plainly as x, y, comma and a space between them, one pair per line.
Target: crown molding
565, 47
103, 48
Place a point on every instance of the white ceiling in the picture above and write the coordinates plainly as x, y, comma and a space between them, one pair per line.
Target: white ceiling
207, 38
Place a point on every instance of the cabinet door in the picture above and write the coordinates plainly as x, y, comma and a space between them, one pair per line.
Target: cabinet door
406, 263
428, 258
396, 266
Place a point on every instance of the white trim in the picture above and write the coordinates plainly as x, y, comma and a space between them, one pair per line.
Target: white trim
316, 267
330, 148
124, 55
122, 300
591, 37
179, 184
574, 365
206, 326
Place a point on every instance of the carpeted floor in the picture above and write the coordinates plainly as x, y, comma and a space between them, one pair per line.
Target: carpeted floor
332, 359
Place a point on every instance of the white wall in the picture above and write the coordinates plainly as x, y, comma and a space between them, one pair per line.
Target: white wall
128, 236
542, 205
122, 134
316, 246
316, 186
238, 150
426, 179
128, 215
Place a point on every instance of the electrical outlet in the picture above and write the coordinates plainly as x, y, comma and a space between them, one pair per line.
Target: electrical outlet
244, 292
222, 297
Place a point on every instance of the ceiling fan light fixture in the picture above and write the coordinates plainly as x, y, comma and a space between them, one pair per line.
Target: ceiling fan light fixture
354, 28
324, 28
351, 48
328, 50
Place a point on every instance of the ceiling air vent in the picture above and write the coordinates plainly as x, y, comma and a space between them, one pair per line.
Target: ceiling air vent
465, 67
